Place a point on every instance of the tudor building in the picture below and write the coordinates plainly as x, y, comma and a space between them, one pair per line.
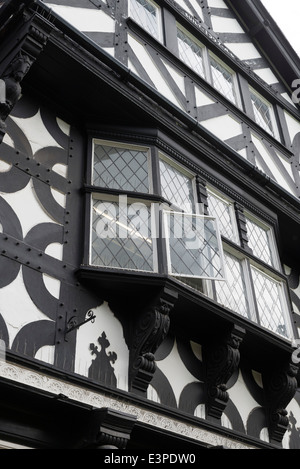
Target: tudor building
149, 215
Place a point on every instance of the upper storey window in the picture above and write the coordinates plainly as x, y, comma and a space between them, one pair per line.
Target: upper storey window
148, 15
223, 79
191, 52
263, 113
206, 65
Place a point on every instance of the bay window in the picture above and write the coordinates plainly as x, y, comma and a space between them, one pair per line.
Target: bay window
251, 288
145, 217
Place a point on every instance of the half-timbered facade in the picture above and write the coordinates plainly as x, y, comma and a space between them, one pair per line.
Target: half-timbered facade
149, 226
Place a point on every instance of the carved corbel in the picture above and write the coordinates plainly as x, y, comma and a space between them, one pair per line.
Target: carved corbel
222, 358
280, 387
21, 60
109, 429
148, 331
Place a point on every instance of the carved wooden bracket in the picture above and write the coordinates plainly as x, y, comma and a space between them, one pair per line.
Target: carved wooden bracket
280, 387
148, 331
222, 358
21, 58
109, 429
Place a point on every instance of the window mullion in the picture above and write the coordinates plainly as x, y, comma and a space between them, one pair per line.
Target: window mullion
250, 292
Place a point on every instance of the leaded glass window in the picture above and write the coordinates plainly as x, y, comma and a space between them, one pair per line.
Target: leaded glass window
259, 240
190, 52
224, 211
147, 14
233, 293
194, 246
118, 166
121, 235
223, 80
262, 113
268, 293
177, 186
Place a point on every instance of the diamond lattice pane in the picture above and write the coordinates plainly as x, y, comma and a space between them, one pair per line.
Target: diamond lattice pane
269, 303
190, 52
222, 80
145, 13
121, 168
258, 241
222, 211
121, 236
232, 293
194, 246
262, 113
176, 187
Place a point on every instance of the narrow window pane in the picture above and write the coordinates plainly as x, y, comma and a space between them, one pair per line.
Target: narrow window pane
194, 246
232, 293
121, 236
222, 210
262, 113
177, 187
222, 80
118, 167
145, 13
258, 241
190, 52
269, 303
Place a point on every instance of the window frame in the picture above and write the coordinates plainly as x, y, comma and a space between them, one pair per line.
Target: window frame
274, 132
159, 36
250, 261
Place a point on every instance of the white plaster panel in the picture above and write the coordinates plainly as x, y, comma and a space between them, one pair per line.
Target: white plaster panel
217, 4
8, 140
52, 285
27, 208
176, 372
4, 167
267, 75
18, 309
244, 51
177, 77
293, 410
36, 132
153, 72
223, 127
59, 197
202, 99
198, 9
279, 178
242, 399
293, 125
85, 19
64, 127
184, 6
55, 250
46, 354
89, 333
61, 169
226, 25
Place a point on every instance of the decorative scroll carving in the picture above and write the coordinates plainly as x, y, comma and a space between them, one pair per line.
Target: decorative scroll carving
149, 331
222, 359
109, 429
280, 388
22, 59
11, 86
